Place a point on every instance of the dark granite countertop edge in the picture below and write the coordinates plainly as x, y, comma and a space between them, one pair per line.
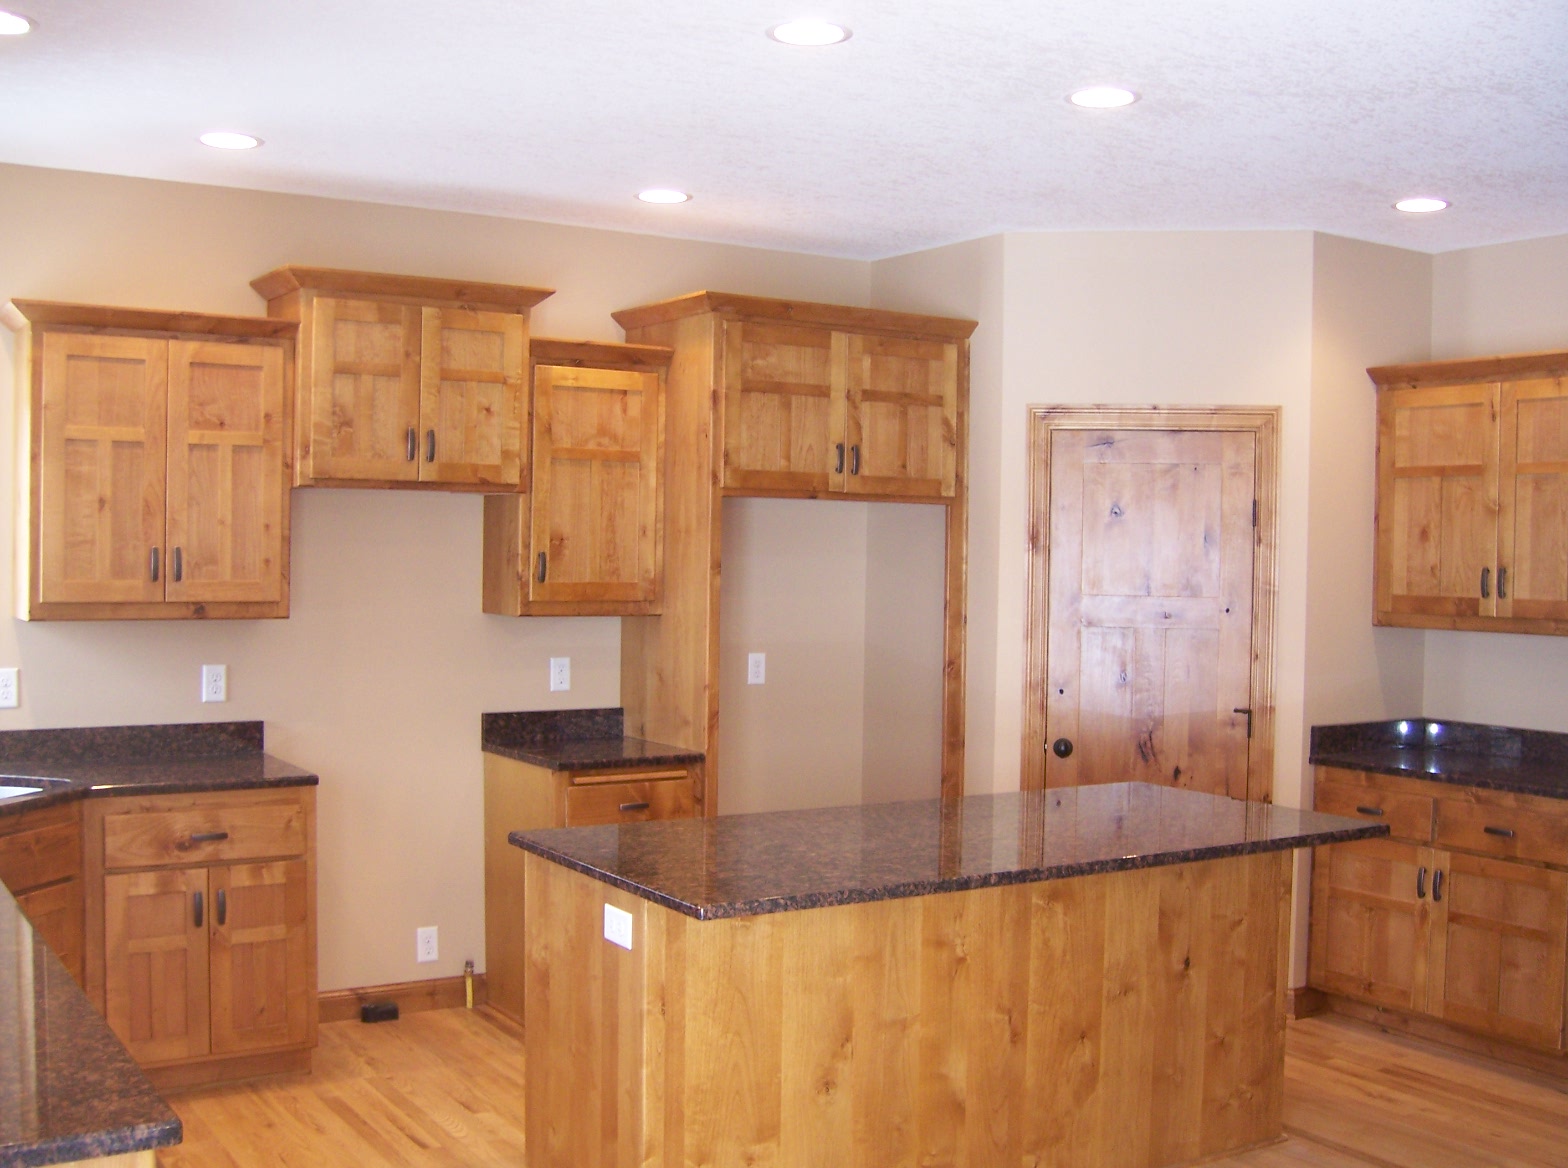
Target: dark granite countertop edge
1462, 770
905, 889
139, 1137
64, 789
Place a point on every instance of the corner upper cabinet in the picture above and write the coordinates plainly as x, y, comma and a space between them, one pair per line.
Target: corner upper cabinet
1472, 503
157, 483
406, 381
585, 537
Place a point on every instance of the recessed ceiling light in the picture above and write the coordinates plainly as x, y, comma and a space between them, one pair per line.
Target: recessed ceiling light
1103, 97
663, 195
1420, 205
809, 33
229, 140
13, 25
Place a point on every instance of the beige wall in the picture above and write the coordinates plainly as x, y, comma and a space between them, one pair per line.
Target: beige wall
378, 678
1511, 298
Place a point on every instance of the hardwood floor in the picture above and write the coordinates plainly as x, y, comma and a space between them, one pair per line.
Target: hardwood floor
445, 1087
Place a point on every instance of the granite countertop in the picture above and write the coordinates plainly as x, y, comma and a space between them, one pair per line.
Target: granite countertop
1498, 758
139, 760
69, 1090
576, 740
746, 865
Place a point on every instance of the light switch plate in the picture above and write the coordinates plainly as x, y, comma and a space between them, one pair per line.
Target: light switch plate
618, 926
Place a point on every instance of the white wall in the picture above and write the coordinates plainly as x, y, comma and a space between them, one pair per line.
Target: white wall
1511, 298
378, 678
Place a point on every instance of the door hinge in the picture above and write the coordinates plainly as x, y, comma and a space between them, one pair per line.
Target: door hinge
1247, 711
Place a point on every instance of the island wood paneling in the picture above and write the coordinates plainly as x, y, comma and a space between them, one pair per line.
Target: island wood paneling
1134, 1019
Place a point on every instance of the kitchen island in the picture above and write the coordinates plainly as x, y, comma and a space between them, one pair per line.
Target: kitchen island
1084, 976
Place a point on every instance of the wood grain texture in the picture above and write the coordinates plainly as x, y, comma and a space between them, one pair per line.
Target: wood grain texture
796, 311
1158, 616
472, 389
1469, 370
598, 354
469, 294
19, 314
1132, 1019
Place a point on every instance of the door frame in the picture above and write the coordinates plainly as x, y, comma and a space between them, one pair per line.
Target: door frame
1260, 421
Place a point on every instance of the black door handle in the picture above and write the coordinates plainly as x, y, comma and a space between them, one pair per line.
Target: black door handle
413, 445
854, 459
634, 806
1062, 747
179, 565
1502, 583
838, 467
1486, 583
152, 565
1437, 885
1420, 883
430, 445
223, 908
208, 837
196, 896
543, 566
1369, 811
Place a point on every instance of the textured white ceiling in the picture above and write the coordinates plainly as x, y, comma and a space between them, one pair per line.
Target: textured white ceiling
935, 123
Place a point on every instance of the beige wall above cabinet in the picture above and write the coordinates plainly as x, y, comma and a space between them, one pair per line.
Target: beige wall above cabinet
406, 381
157, 481
1472, 494
586, 538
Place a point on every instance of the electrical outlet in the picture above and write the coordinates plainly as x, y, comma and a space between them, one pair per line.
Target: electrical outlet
8, 691
214, 683
618, 926
756, 668
560, 674
426, 947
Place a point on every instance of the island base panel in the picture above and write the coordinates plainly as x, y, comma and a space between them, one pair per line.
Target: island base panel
1134, 1018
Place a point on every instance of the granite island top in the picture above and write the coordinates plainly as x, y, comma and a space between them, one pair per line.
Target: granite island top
576, 740
68, 1089
1498, 758
747, 865
101, 761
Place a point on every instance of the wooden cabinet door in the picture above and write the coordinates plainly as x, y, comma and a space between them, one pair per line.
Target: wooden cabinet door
778, 405
1500, 948
1371, 922
595, 485
364, 390
1534, 500
101, 468
1437, 505
260, 956
56, 913
227, 488
471, 396
900, 416
155, 962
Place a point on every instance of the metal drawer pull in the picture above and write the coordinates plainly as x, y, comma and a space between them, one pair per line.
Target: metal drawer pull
412, 451
1369, 810
196, 896
1437, 885
179, 565
1502, 583
643, 806
544, 565
430, 445
208, 837
1505, 832
1486, 583
1420, 883
854, 459
223, 907
152, 565
838, 467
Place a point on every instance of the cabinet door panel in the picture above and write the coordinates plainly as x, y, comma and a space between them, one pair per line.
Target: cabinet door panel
1500, 953
1534, 499
102, 475
56, 915
364, 392
471, 396
1437, 500
226, 480
595, 484
260, 957
1370, 927
155, 963
902, 410
778, 390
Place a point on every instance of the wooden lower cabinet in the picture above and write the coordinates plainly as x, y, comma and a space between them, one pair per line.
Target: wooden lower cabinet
521, 797
203, 948
1477, 941
41, 864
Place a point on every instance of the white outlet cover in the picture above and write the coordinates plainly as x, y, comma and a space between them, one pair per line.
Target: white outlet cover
427, 946
560, 674
756, 668
618, 926
214, 683
8, 687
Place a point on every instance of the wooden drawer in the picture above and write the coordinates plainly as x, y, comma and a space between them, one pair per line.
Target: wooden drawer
1513, 827
202, 832
41, 855
1409, 817
628, 802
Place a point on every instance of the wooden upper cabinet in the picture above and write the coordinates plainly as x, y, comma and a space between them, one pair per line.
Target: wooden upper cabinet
404, 380
158, 480
586, 536
810, 410
1472, 494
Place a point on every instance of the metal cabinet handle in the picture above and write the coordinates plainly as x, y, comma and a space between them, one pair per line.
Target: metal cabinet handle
854, 459
1420, 883
1502, 583
152, 565
223, 908
412, 450
643, 806
208, 837
1437, 885
1369, 810
196, 896
1505, 832
544, 565
430, 445
838, 467
1247, 710
179, 564
1486, 583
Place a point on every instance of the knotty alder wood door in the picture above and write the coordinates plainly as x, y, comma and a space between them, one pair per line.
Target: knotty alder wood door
155, 962
1533, 500
900, 417
1371, 921
260, 958
364, 390
1149, 642
779, 403
471, 396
